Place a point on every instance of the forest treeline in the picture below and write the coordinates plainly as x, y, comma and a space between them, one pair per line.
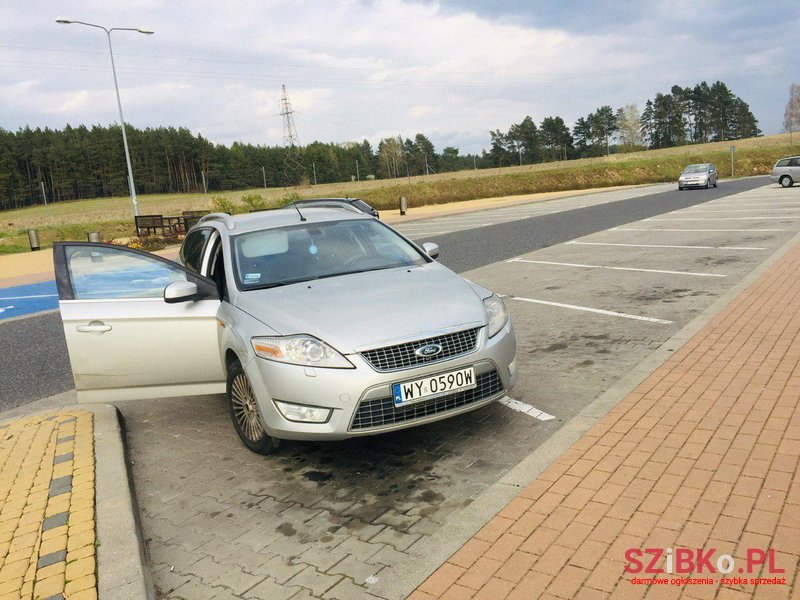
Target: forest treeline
88, 162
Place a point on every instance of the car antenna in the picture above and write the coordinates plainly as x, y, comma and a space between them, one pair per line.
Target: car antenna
302, 218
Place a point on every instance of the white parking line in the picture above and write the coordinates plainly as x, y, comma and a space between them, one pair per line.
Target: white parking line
560, 264
736, 210
667, 246
690, 230
526, 408
753, 218
758, 205
598, 311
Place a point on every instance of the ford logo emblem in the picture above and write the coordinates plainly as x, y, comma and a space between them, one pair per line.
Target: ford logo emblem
428, 350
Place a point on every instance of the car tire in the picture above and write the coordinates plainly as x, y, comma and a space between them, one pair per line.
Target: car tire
786, 181
680, 188
708, 184
243, 408
715, 183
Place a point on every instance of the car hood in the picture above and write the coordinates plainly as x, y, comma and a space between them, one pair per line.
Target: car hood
369, 310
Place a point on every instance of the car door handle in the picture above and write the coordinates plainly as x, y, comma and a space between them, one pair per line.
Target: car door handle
94, 327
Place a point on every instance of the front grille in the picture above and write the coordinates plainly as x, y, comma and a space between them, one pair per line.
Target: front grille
401, 356
382, 411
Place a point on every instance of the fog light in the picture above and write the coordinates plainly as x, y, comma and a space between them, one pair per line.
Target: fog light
300, 413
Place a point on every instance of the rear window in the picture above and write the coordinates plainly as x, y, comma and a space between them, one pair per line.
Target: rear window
782, 162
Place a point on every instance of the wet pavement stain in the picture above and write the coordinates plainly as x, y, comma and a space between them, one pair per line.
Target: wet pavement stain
317, 476
286, 529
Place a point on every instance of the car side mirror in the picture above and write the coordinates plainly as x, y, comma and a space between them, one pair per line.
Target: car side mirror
431, 249
180, 291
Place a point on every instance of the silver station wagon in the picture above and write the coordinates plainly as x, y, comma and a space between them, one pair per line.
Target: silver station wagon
317, 323
786, 171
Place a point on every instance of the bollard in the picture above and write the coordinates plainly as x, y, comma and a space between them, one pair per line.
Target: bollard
403, 205
94, 236
33, 239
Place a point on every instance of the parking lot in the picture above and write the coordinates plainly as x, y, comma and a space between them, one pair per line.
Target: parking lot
333, 520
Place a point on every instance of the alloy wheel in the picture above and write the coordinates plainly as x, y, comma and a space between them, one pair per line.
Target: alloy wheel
245, 409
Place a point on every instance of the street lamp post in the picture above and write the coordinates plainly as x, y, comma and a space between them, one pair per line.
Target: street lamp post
66, 21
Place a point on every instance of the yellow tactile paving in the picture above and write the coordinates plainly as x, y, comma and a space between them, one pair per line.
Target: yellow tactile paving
47, 516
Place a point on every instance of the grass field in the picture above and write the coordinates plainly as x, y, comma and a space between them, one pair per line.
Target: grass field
112, 217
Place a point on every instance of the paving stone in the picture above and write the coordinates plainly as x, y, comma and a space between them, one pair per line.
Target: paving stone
57, 520
61, 485
50, 559
269, 589
193, 590
397, 539
237, 580
282, 570
61, 458
317, 582
347, 590
355, 569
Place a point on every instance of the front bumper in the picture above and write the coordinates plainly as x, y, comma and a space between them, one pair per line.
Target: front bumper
361, 398
697, 183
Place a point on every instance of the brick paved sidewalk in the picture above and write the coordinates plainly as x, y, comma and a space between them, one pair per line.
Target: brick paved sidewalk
702, 454
47, 516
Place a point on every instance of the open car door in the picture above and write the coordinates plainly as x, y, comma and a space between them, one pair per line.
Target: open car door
126, 340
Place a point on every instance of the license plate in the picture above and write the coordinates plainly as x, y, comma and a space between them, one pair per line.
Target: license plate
437, 385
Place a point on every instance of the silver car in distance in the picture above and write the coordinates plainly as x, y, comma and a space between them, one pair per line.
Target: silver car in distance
320, 324
700, 175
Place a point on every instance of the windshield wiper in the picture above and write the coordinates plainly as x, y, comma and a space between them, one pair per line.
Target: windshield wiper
315, 277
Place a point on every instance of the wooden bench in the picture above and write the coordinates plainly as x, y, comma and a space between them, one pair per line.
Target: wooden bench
149, 225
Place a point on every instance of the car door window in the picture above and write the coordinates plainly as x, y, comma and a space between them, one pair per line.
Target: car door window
795, 162
192, 249
216, 269
107, 273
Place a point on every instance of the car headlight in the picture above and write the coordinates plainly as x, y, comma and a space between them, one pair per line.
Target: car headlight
300, 350
301, 413
497, 313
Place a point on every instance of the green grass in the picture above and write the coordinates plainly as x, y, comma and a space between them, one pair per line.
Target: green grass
112, 217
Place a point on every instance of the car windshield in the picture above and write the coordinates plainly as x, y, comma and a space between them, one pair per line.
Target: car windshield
286, 255
696, 169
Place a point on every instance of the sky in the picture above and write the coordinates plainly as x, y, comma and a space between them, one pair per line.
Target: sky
368, 69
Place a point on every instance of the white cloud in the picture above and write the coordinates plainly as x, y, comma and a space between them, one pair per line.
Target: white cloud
359, 70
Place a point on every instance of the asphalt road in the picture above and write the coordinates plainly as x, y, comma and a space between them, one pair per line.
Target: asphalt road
33, 359
33, 356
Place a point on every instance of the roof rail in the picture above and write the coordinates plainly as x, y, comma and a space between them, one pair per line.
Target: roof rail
224, 217
326, 203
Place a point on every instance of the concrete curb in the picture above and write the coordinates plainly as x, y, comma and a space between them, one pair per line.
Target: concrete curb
123, 570
430, 553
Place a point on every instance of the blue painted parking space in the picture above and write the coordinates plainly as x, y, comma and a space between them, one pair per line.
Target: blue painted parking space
27, 299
